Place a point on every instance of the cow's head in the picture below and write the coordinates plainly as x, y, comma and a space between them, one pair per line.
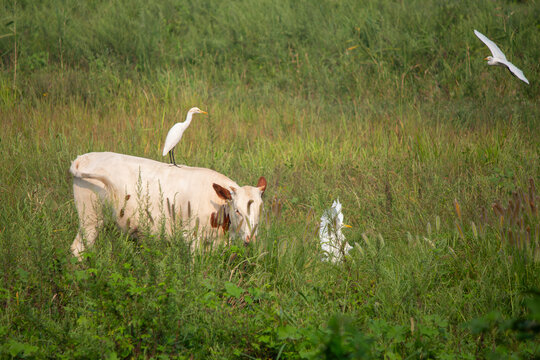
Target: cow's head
244, 207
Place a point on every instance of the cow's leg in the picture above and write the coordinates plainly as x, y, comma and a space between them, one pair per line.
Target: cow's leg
88, 204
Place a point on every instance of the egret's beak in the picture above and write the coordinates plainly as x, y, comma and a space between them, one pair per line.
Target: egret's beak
345, 225
486, 58
203, 112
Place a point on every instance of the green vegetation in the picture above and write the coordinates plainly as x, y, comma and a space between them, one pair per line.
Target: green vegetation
387, 105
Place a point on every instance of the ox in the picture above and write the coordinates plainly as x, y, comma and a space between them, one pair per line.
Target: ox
203, 202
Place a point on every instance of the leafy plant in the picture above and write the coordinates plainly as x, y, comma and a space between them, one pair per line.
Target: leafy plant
517, 336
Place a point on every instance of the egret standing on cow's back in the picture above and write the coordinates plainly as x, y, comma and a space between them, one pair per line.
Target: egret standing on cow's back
499, 58
176, 132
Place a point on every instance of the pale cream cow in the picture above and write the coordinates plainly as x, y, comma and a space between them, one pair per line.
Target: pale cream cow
200, 202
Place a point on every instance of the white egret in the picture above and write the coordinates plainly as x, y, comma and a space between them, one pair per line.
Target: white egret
499, 58
175, 134
332, 239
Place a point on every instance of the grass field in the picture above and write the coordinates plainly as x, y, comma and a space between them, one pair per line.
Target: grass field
386, 105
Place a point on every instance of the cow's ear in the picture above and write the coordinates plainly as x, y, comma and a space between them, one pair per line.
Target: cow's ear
261, 184
222, 192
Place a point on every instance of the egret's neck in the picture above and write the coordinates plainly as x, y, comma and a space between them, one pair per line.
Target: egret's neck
493, 62
188, 118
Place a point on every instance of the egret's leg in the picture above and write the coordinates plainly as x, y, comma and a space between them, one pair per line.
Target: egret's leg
174, 161
170, 157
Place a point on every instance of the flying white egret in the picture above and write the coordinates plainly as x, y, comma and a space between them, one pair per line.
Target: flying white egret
499, 58
176, 132
332, 239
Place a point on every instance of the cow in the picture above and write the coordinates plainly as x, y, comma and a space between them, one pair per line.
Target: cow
202, 203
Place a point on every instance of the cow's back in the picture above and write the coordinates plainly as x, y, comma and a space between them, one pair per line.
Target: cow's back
142, 187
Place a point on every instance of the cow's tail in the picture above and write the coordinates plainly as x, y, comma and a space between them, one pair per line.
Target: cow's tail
77, 169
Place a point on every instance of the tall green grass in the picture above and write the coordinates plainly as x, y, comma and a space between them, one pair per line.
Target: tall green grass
384, 105
340, 50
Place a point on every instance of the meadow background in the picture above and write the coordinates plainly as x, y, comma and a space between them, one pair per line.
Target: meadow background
386, 105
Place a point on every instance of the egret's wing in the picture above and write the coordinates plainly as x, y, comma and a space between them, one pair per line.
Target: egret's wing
515, 70
497, 53
173, 137
168, 144
326, 239
323, 226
